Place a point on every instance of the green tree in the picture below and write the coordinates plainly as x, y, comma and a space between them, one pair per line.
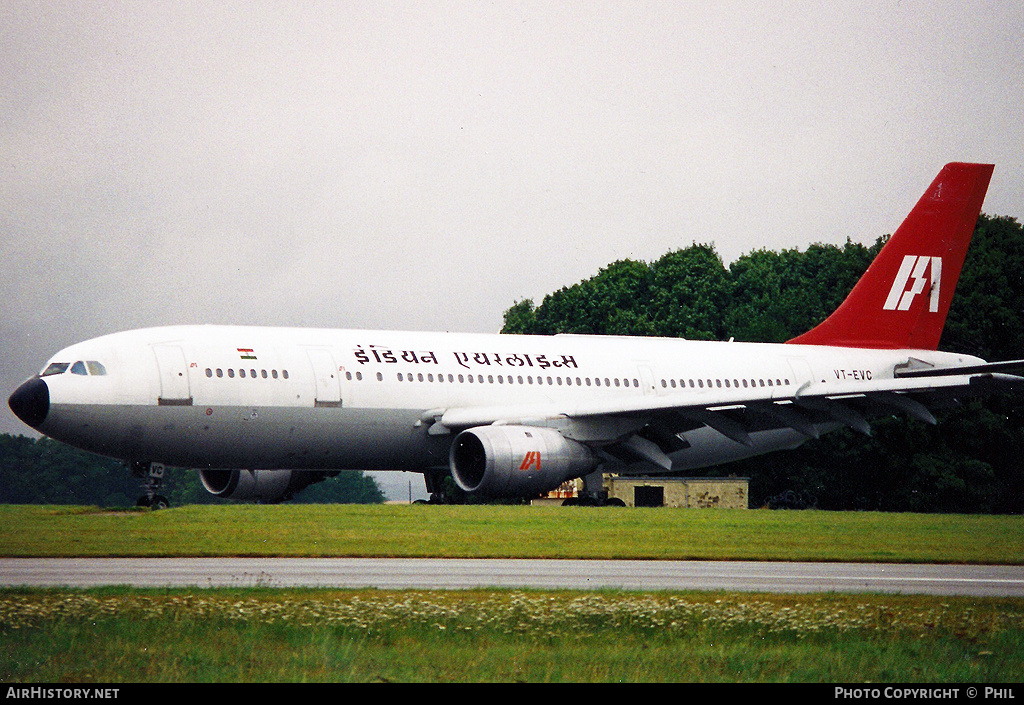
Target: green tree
985, 317
691, 291
521, 318
347, 487
776, 296
613, 302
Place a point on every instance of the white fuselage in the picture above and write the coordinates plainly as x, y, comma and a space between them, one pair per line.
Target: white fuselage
250, 397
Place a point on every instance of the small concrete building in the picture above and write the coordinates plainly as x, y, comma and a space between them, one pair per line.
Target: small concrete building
681, 492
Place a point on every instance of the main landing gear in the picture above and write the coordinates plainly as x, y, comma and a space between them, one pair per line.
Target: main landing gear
593, 493
153, 474
599, 501
442, 488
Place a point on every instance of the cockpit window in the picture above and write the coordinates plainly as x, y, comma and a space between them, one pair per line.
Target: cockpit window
82, 367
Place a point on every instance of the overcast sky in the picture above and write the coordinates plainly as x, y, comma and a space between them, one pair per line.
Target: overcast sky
424, 165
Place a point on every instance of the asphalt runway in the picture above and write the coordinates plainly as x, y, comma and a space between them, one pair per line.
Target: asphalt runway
453, 574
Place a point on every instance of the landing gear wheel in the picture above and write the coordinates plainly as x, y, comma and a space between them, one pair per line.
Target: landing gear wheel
593, 502
154, 476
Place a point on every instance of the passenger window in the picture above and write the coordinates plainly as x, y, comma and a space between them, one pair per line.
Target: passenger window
78, 368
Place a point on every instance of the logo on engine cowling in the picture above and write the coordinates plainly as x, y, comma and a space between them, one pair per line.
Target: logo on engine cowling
531, 460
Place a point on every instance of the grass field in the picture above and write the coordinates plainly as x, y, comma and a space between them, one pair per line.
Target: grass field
505, 532
190, 636
275, 635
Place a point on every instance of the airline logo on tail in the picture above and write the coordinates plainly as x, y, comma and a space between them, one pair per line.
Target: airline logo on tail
924, 271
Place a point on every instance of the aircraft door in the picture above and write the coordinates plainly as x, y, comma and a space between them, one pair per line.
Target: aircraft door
803, 376
647, 378
325, 373
174, 384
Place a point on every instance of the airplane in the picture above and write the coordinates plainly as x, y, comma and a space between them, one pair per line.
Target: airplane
263, 412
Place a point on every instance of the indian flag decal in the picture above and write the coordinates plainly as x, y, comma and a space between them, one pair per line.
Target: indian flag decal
246, 353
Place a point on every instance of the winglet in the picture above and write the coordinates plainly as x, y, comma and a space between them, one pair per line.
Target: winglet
903, 298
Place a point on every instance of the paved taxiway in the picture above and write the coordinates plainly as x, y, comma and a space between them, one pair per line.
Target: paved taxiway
429, 573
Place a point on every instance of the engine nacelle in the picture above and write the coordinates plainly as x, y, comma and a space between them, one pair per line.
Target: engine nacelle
516, 461
267, 486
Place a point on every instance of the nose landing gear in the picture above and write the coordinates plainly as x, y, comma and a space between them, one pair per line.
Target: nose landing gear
153, 474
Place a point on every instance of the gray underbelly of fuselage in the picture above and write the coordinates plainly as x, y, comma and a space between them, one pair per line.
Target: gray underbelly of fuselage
248, 437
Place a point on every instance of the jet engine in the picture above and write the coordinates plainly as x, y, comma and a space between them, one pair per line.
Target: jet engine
266, 486
516, 461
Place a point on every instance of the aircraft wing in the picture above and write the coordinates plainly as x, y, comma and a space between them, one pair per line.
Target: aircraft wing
650, 427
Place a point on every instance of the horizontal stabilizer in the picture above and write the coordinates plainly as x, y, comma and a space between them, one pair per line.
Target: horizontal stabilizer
1007, 366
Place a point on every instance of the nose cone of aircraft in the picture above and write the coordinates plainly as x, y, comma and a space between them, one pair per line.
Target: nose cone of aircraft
31, 402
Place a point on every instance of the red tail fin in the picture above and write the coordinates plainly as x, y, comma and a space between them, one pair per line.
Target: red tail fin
903, 298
